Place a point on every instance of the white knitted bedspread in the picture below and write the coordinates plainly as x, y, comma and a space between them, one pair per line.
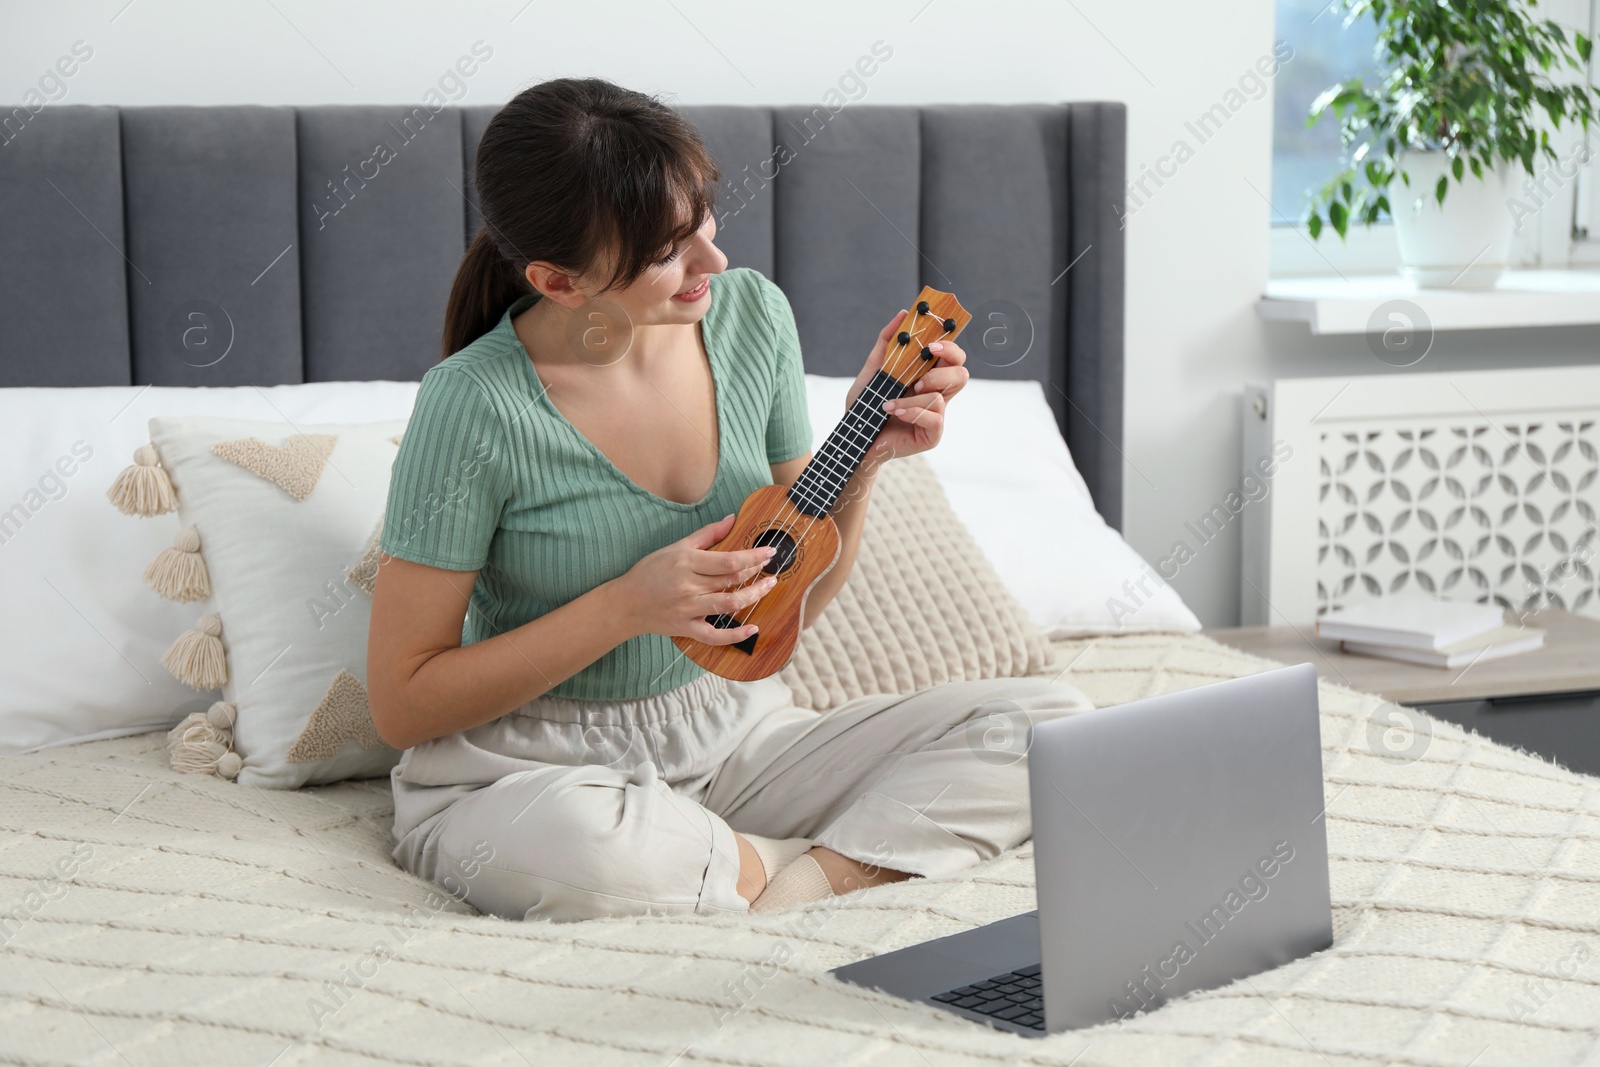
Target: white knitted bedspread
191, 920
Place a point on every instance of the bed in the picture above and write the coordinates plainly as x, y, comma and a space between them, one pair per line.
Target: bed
152, 916
205, 923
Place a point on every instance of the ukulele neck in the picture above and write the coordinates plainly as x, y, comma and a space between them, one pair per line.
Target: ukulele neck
933, 316
822, 482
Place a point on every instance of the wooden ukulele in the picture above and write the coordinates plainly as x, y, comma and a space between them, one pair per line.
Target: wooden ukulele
797, 520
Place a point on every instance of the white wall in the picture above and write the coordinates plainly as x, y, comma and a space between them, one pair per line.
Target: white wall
1197, 249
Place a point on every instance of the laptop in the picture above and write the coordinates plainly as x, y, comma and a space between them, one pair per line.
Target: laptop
1179, 844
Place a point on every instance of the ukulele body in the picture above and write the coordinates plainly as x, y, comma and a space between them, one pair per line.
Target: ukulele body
807, 548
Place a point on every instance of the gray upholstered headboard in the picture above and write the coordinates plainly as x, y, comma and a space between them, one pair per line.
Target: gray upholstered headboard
319, 242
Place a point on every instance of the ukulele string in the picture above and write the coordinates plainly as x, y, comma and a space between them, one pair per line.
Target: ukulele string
879, 398
786, 519
832, 475
790, 512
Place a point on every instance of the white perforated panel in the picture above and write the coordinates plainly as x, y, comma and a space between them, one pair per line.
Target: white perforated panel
1481, 486
1467, 510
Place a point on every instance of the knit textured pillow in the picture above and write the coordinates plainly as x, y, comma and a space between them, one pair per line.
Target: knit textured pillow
277, 524
922, 606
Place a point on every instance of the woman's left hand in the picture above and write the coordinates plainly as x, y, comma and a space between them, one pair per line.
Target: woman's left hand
916, 420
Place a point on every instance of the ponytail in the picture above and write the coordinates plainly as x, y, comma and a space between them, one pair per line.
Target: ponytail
486, 284
569, 172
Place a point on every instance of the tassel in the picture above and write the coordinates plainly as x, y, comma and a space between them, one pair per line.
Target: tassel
222, 715
203, 743
196, 658
179, 572
143, 488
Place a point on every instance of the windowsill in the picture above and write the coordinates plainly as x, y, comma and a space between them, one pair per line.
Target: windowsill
1523, 298
1363, 250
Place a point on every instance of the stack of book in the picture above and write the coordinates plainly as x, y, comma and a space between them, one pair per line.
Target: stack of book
1435, 633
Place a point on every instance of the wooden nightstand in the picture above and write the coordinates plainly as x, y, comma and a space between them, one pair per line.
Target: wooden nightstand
1547, 700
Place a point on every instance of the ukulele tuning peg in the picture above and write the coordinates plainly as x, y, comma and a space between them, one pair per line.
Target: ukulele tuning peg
949, 325
904, 338
922, 307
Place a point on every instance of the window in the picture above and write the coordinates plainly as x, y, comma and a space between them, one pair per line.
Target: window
1565, 231
1325, 52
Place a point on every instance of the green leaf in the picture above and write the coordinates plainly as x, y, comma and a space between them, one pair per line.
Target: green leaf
1440, 188
1314, 225
1326, 97
1474, 78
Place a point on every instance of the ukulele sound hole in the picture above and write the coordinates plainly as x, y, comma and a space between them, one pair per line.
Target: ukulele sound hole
783, 558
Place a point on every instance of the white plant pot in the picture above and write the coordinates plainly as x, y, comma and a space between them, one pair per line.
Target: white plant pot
1464, 243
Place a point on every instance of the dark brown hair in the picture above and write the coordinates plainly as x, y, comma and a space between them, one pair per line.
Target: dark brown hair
567, 170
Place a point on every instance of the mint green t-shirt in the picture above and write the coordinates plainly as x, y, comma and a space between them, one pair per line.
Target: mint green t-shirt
491, 477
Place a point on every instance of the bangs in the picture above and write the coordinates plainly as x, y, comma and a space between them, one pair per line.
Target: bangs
648, 194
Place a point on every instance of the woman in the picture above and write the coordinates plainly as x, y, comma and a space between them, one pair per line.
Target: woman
610, 394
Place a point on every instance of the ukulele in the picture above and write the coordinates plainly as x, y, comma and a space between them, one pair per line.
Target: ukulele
796, 520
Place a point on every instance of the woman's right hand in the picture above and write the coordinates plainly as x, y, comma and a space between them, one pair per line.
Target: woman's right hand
673, 589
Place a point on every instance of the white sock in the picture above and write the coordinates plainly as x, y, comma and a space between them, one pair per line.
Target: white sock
800, 883
778, 853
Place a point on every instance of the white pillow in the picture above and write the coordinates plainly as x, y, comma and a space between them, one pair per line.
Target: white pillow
285, 517
82, 637
1011, 480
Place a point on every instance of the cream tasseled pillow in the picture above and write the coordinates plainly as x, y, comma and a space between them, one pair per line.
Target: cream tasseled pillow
922, 606
276, 551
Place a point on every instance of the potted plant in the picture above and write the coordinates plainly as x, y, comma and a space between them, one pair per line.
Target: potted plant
1465, 82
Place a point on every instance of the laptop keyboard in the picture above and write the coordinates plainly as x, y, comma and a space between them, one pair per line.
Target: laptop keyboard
1016, 997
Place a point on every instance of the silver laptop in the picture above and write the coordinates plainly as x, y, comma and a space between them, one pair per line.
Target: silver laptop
1179, 844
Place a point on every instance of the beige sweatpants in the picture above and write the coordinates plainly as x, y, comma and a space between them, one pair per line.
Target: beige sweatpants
572, 809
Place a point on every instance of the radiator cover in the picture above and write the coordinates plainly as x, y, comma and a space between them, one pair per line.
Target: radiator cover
1479, 486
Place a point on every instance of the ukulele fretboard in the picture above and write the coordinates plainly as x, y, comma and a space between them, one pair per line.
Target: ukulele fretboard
819, 486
